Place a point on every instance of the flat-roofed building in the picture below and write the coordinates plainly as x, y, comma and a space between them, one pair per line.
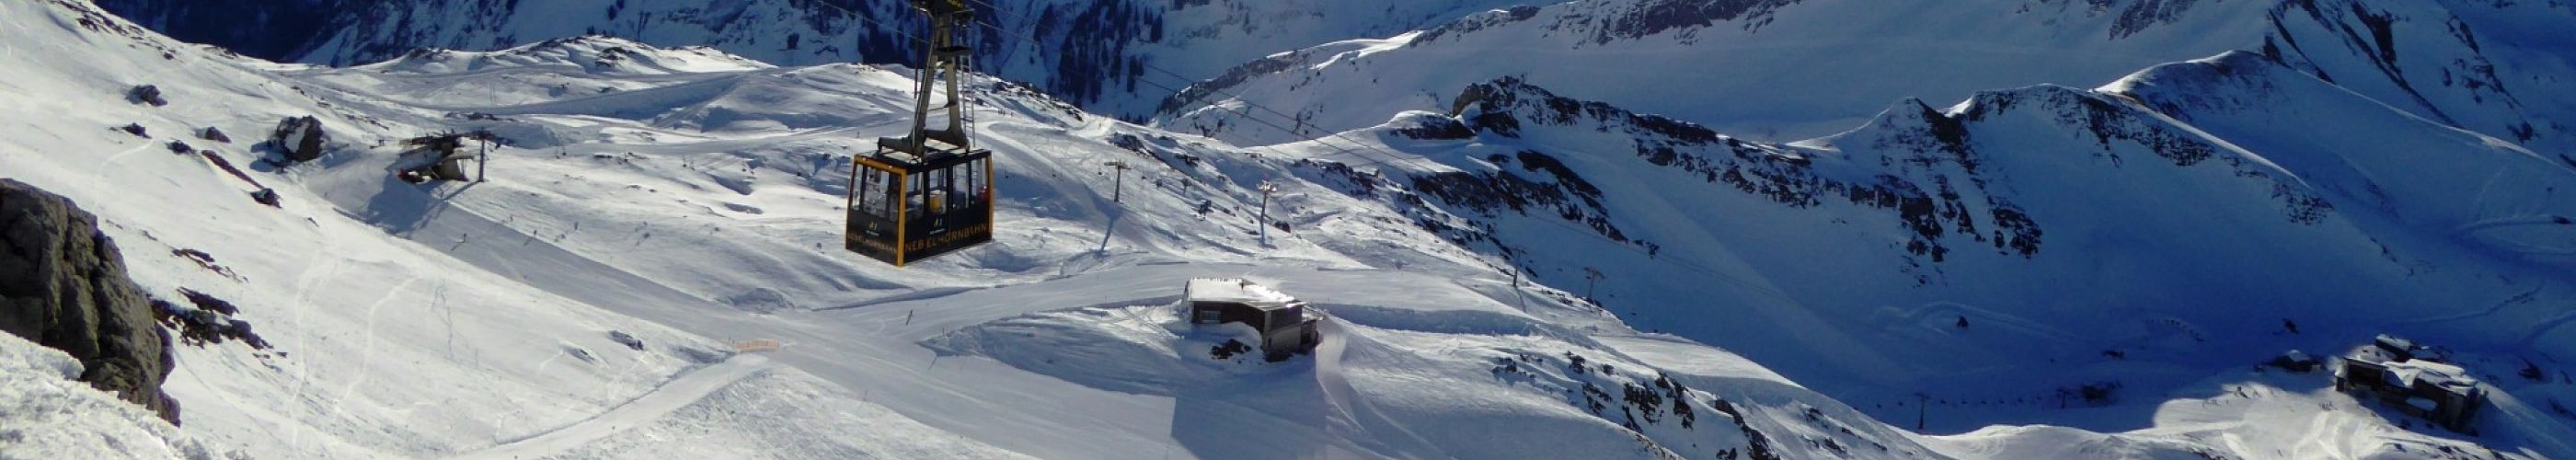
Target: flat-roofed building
1282, 320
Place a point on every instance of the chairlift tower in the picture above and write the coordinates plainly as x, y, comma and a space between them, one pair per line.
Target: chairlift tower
1267, 189
1118, 187
930, 191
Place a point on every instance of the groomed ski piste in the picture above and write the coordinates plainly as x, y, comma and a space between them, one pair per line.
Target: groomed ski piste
692, 201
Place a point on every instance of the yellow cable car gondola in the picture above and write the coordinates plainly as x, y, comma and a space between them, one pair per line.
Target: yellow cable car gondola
929, 192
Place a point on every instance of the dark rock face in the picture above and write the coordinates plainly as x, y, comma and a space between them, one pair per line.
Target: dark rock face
63, 285
210, 322
1091, 49
300, 138
1435, 128
1203, 92
216, 135
1651, 17
267, 29
146, 94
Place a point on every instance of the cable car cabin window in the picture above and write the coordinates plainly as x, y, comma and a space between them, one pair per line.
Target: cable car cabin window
874, 192
944, 191
974, 180
929, 194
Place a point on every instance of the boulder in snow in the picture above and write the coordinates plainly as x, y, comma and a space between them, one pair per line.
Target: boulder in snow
210, 321
146, 94
300, 138
63, 285
266, 196
628, 339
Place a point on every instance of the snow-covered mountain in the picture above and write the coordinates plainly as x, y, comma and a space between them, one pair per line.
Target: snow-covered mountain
268, 29
1789, 70
589, 300
1094, 53
659, 209
2114, 227
1928, 211
1775, 69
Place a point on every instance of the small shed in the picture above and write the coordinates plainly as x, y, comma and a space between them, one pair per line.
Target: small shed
1282, 320
2394, 372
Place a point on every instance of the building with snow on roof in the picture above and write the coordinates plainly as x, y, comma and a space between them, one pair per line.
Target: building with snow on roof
2411, 379
1282, 320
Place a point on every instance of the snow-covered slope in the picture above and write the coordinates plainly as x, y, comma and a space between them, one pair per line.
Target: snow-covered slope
1093, 53
2384, 174
44, 413
2156, 233
2111, 235
591, 54
1776, 69
2497, 68
1769, 69
1785, 70
383, 347
681, 213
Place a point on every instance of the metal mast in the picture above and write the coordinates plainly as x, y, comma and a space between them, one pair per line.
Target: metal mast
944, 61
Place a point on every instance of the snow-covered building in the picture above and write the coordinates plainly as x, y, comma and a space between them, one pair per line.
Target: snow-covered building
2398, 373
438, 157
1281, 319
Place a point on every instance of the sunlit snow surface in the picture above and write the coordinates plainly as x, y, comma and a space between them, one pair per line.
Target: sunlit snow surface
694, 203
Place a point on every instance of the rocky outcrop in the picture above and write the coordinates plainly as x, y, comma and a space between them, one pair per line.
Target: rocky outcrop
216, 135
301, 139
146, 94
63, 285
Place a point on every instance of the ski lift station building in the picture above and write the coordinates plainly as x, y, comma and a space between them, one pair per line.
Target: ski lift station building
2397, 373
1282, 320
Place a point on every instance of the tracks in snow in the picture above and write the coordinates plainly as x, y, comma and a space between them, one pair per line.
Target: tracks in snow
677, 393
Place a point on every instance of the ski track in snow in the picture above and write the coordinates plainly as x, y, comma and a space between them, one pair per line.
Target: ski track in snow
671, 396
1344, 399
924, 294
120, 156
368, 346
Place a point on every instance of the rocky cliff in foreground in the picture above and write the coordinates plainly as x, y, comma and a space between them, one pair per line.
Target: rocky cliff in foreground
63, 285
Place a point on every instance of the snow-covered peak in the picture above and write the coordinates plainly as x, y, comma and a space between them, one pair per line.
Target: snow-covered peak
1773, 70
1093, 53
1938, 247
593, 54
